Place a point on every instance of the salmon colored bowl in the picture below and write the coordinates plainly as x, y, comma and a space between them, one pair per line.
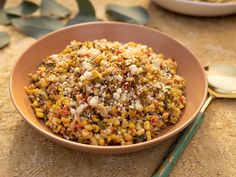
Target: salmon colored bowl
188, 67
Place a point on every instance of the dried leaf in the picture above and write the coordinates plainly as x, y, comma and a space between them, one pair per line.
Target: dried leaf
4, 20
36, 26
135, 14
5, 39
86, 13
53, 8
25, 8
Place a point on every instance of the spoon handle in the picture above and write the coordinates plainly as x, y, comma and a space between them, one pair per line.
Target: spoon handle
178, 148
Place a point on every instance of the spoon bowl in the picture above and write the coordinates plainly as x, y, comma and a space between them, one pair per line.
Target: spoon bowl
222, 80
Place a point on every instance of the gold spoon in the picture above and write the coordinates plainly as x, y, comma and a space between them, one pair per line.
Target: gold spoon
221, 84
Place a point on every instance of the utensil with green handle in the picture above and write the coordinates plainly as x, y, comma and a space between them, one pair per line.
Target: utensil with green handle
222, 83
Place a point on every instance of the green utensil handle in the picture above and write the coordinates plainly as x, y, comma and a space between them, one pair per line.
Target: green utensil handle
178, 148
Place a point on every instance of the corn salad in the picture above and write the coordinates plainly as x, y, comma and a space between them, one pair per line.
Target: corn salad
107, 93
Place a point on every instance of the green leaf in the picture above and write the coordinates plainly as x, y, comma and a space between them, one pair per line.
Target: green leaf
85, 8
135, 14
5, 39
86, 13
36, 26
25, 8
81, 19
53, 8
4, 20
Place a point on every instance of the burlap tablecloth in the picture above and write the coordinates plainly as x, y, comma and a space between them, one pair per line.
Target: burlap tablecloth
26, 153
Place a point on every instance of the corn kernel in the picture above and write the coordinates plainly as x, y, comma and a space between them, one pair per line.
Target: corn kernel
148, 135
96, 74
65, 120
66, 124
128, 137
113, 110
165, 115
101, 142
93, 141
35, 104
131, 125
150, 108
83, 123
175, 92
98, 59
88, 127
58, 128
85, 133
123, 115
95, 118
40, 114
147, 125
125, 123
116, 122
176, 112
140, 132
173, 120
95, 128
38, 110
161, 109
134, 132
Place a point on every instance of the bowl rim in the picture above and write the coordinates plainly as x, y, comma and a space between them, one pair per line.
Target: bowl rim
209, 4
90, 148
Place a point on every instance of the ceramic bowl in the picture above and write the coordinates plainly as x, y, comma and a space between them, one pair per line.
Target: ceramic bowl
203, 9
188, 67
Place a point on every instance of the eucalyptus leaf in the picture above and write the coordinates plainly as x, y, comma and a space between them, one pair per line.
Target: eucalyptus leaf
5, 39
36, 26
4, 20
25, 8
135, 14
53, 8
85, 8
81, 19
86, 13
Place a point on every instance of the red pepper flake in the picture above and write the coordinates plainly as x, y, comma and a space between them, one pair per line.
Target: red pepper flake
78, 125
57, 115
118, 52
126, 86
153, 120
65, 111
148, 53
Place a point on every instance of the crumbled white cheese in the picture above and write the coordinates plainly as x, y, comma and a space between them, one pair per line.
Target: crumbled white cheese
119, 91
116, 96
119, 78
94, 52
77, 70
93, 101
133, 69
98, 85
72, 111
52, 78
82, 51
81, 108
54, 56
86, 76
87, 66
138, 106
128, 62
156, 62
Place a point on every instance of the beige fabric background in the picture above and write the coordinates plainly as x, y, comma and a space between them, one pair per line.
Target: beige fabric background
212, 152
